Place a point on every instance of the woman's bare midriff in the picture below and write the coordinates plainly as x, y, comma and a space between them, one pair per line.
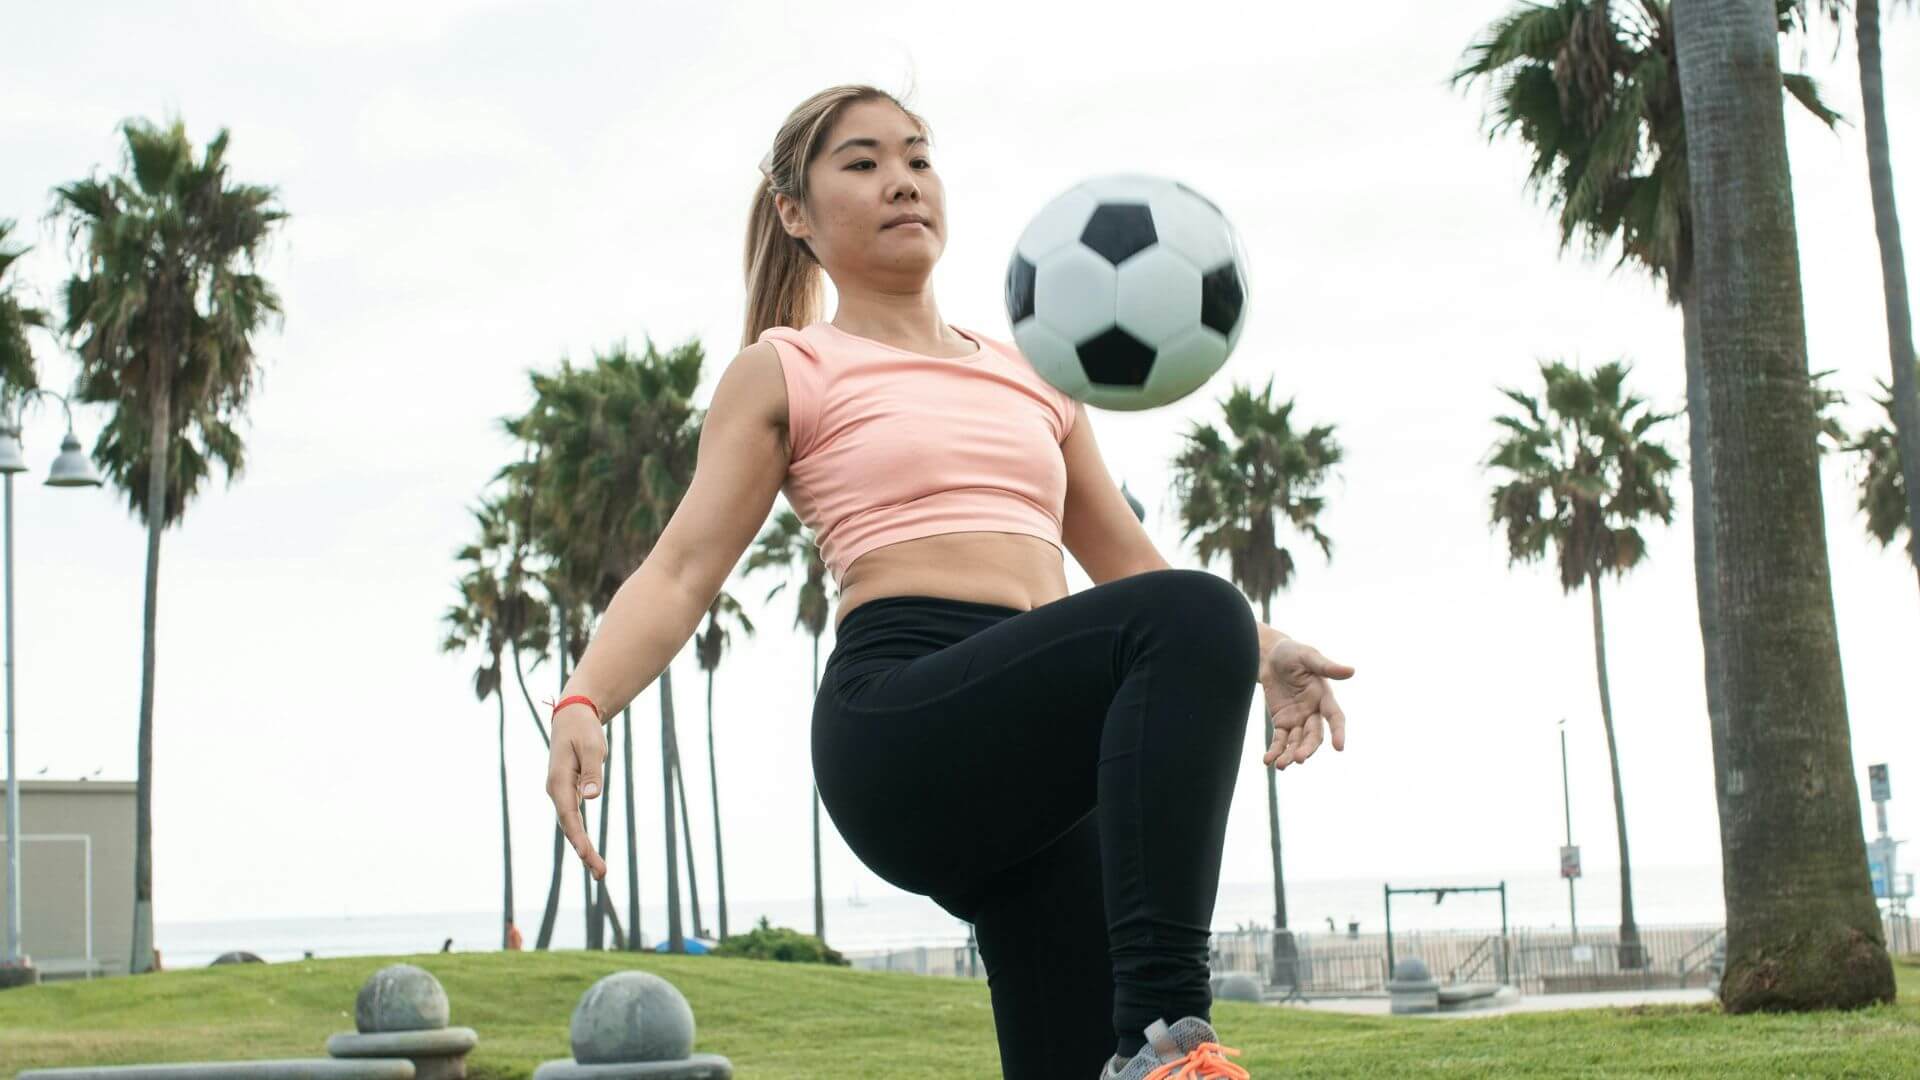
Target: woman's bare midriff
1008, 569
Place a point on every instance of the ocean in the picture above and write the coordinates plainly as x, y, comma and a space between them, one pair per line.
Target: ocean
897, 920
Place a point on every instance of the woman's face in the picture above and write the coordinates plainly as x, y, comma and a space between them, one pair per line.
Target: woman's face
875, 167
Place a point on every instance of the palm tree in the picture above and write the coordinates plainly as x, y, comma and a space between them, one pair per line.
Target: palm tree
523, 480
493, 610
1593, 90
686, 836
1903, 395
709, 648
1589, 458
785, 547
1803, 931
162, 313
1883, 494
618, 441
536, 636
1231, 489
16, 317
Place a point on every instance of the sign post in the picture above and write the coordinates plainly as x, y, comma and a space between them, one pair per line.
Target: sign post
1569, 853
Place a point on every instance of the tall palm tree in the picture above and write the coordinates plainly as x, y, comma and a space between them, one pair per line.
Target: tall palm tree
785, 547
491, 604
162, 313
16, 317
1803, 931
563, 402
710, 647
1232, 489
686, 837
523, 479
1592, 88
1883, 491
535, 637
1903, 396
1588, 455
571, 619
618, 440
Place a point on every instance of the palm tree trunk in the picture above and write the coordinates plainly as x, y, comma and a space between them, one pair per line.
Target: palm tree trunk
1285, 954
1803, 931
1893, 267
1700, 479
587, 903
559, 837
162, 424
686, 834
675, 941
633, 846
819, 889
613, 921
1632, 957
506, 822
603, 906
713, 781
552, 909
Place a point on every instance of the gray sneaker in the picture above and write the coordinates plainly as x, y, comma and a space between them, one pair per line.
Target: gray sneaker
1188, 1050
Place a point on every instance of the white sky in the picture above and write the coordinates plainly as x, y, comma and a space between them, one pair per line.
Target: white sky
476, 191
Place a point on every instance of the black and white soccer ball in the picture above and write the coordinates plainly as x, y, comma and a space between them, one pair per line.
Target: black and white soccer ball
1128, 291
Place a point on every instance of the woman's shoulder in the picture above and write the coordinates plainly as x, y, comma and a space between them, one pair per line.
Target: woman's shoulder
805, 339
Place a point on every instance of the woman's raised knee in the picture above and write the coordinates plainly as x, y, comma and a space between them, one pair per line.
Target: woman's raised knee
1203, 607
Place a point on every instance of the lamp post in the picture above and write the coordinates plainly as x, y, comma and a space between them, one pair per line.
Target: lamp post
70, 469
1569, 855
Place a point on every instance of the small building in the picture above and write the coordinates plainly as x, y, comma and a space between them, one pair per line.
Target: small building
76, 876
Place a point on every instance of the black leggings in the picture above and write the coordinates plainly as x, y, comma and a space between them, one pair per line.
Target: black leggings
1060, 779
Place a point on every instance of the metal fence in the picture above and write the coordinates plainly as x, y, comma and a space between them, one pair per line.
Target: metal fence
961, 960
1534, 961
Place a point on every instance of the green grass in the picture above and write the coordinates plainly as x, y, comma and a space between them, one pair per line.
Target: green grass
782, 1021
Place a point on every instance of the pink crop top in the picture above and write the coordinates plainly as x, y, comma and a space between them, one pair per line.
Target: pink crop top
890, 445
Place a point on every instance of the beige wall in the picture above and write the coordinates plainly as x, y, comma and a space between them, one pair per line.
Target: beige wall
53, 873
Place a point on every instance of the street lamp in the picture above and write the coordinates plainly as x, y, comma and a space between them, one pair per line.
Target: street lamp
70, 469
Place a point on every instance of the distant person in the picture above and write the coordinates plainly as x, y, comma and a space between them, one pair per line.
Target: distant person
1055, 769
513, 937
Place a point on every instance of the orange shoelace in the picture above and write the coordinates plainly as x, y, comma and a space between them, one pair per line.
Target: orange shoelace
1203, 1061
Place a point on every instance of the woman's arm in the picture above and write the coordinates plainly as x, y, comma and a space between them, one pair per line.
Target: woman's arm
741, 463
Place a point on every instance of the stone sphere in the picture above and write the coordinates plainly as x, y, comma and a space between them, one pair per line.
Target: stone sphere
400, 997
631, 1016
1238, 986
1411, 969
238, 956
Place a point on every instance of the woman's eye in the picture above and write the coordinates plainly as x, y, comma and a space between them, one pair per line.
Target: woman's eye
864, 161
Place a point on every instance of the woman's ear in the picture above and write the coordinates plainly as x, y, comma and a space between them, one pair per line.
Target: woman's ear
790, 217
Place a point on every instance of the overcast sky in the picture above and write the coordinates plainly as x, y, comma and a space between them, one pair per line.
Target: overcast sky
479, 190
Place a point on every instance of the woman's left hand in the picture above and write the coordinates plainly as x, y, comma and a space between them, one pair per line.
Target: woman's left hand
1300, 701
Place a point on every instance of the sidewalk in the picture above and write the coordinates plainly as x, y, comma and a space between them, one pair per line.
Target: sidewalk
1380, 1006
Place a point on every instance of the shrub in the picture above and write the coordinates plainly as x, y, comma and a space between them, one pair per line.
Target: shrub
782, 943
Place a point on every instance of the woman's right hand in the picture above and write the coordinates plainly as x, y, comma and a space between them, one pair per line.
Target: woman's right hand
574, 768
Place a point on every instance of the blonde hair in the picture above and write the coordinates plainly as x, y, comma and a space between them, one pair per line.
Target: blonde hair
783, 276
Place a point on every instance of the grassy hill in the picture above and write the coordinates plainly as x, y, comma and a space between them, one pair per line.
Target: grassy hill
801, 1021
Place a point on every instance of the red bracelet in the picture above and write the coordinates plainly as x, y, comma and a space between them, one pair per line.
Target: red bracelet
566, 701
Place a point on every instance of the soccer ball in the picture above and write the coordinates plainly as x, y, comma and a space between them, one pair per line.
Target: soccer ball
1127, 291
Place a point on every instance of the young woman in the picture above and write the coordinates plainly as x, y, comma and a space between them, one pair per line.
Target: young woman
1055, 769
